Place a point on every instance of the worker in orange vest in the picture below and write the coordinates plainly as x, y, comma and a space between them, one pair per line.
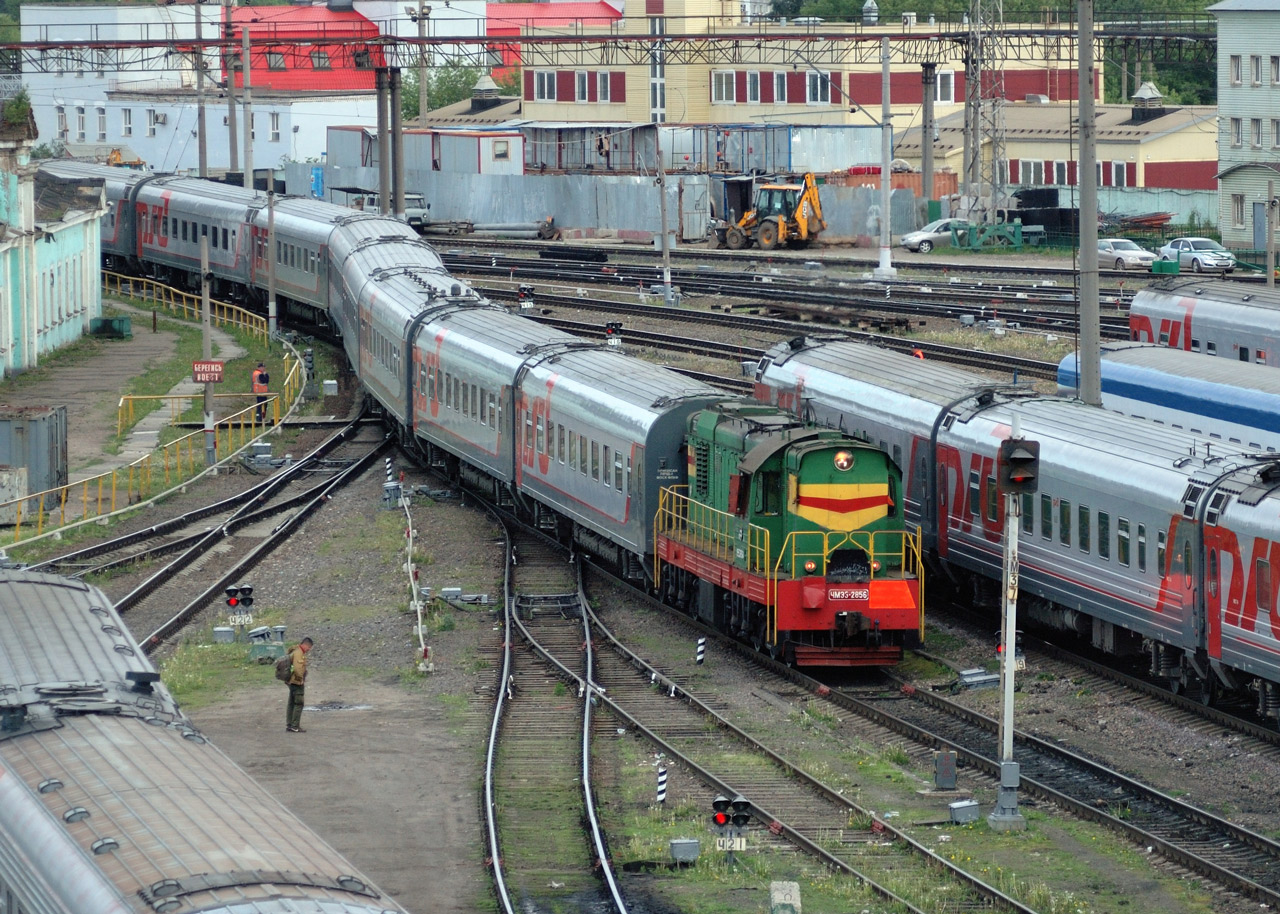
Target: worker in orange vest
918, 353
260, 381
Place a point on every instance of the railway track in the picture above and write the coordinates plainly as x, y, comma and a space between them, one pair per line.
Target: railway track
546, 844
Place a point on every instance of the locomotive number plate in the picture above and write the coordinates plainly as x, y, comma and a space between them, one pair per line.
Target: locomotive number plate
849, 593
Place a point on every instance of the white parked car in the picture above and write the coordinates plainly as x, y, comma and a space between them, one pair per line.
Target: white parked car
1200, 254
1123, 254
935, 233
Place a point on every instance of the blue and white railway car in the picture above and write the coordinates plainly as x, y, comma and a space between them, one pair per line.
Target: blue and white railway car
1231, 320
1225, 401
111, 802
1138, 538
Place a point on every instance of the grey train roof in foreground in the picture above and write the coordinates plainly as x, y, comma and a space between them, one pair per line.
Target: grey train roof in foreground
111, 802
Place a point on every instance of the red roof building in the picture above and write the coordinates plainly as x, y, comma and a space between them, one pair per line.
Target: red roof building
516, 18
331, 60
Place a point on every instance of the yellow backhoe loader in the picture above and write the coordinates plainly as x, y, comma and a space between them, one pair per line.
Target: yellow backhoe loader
784, 214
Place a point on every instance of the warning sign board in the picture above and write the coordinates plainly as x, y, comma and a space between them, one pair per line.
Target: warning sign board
206, 372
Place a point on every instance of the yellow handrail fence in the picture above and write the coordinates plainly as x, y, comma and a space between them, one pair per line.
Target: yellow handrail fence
171, 463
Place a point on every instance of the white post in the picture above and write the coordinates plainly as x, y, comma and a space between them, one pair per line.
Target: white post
206, 327
662, 214
885, 270
271, 263
1271, 234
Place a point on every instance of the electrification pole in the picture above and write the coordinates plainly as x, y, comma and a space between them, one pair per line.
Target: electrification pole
202, 147
885, 270
206, 328
271, 263
233, 143
246, 68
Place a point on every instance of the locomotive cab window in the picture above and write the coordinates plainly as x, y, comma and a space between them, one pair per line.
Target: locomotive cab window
768, 498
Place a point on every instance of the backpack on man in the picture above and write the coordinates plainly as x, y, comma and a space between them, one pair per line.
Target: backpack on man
284, 667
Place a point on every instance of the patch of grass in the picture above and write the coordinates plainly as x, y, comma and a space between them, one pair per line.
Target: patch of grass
914, 666
201, 673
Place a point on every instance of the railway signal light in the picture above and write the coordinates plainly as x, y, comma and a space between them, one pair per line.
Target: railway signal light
309, 360
246, 597
239, 597
720, 816
741, 812
233, 598
1018, 466
612, 333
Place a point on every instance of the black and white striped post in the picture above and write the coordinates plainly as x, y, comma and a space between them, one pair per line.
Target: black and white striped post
662, 785
702, 650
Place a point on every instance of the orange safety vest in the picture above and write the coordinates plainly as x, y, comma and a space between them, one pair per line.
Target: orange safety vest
259, 386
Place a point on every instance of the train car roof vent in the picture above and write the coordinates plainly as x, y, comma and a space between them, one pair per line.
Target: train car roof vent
142, 680
1270, 473
796, 343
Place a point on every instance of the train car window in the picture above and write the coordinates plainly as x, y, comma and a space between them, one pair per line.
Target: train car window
457, 393
1122, 541
769, 493
1244, 353
560, 443
582, 452
1142, 548
528, 429
1216, 505
184, 229
225, 246
573, 451
606, 462
1164, 338
1211, 348
1064, 522
1028, 513
448, 390
1104, 535
1084, 528
1162, 553
541, 441
1186, 563
993, 499
1195, 345
1213, 572
628, 480
1189, 499
1046, 516
431, 383
974, 494
164, 227
595, 461
1262, 575
466, 401
617, 470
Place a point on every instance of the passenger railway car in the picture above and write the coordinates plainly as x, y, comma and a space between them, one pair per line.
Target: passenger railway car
111, 801
1140, 538
1231, 320
577, 436
1225, 402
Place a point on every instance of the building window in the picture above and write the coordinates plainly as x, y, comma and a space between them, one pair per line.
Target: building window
818, 88
126, 122
151, 122
602, 86
1275, 132
753, 87
780, 87
275, 126
1237, 210
544, 85
1235, 131
62, 123
944, 92
1060, 173
1255, 69
320, 60
1255, 131
1235, 70
102, 125
1118, 173
79, 125
275, 60
722, 86
580, 86
100, 61
501, 149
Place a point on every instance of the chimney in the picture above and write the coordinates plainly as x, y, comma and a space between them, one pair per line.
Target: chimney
1148, 103
485, 95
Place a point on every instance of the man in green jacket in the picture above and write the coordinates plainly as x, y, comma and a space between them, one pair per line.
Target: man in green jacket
297, 686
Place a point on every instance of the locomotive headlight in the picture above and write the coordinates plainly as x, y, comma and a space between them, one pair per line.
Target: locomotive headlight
844, 460
811, 566
875, 565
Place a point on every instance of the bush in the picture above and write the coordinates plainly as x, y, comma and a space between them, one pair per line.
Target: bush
17, 110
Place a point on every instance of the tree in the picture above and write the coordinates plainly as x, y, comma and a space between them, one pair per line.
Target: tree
445, 85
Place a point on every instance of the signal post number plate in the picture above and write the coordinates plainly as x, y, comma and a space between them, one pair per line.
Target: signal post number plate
731, 844
240, 619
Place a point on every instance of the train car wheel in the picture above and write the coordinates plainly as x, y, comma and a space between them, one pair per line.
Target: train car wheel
1209, 691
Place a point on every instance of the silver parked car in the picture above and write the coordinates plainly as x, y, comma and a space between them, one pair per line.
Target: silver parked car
1123, 254
1200, 254
935, 233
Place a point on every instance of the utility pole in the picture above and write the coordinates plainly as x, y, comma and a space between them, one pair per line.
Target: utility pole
397, 144
202, 145
229, 31
1090, 306
382, 81
420, 16
928, 129
246, 68
662, 215
885, 270
271, 263
1271, 234
206, 328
